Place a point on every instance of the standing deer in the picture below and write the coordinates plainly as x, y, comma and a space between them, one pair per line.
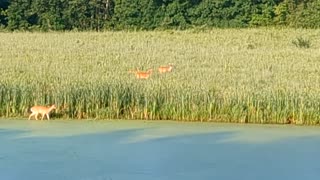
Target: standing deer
164, 69
44, 111
142, 74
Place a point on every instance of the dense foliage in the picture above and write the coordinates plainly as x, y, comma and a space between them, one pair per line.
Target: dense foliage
155, 14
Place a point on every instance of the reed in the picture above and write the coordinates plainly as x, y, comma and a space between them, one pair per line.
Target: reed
222, 75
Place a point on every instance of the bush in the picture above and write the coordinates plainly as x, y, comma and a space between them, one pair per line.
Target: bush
301, 42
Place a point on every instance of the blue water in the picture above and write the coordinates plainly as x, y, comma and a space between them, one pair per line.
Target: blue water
187, 156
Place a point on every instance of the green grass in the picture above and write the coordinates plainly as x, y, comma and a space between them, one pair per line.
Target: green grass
224, 75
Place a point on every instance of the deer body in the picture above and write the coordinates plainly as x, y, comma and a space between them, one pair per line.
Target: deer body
164, 69
143, 74
44, 111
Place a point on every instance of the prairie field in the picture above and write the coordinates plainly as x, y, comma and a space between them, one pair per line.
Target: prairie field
219, 75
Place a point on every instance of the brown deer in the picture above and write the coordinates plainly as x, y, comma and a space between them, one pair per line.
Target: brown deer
44, 111
142, 74
165, 69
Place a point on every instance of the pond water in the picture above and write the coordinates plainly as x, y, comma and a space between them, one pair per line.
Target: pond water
161, 150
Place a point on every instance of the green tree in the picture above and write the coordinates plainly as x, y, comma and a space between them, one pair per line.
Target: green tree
176, 14
3, 13
152, 13
100, 12
49, 14
126, 14
307, 15
263, 13
20, 15
284, 12
222, 13
78, 15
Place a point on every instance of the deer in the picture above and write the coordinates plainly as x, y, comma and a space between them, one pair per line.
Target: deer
142, 74
164, 69
44, 111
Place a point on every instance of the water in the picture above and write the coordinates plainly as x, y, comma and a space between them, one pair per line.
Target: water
142, 150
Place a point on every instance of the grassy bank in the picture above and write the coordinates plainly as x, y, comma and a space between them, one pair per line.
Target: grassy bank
252, 75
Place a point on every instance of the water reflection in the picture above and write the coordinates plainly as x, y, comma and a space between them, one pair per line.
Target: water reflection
138, 150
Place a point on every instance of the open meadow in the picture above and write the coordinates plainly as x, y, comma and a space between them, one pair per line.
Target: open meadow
220, 75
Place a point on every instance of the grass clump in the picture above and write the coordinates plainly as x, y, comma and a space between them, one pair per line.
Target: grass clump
302, 42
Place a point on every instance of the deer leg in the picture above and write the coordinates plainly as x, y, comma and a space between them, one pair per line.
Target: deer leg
32, 114
48, 116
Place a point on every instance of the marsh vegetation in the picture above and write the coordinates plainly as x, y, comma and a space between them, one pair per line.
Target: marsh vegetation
221, 75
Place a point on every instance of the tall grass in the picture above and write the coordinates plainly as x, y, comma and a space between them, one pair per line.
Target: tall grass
248, 76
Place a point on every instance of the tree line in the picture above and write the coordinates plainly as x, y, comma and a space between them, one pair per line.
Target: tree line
60, 15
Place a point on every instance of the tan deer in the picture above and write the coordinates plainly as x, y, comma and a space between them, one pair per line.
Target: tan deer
142, 74
164, 69
44, 111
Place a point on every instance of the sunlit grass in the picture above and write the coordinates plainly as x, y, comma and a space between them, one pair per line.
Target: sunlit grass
248, 75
